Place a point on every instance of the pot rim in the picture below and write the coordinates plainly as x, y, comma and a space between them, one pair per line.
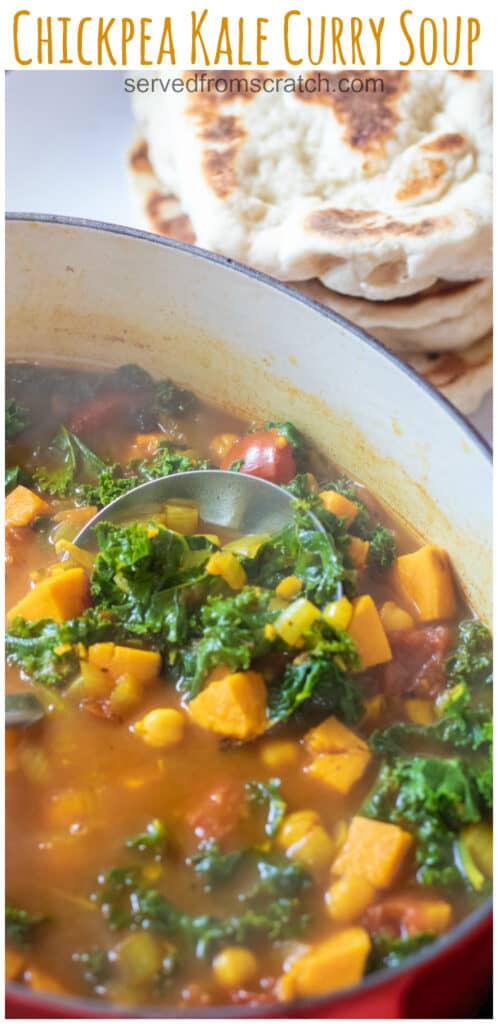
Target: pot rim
478, 918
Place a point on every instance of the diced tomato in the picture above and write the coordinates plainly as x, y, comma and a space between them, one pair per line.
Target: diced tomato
194, 995
408, 914
266, 453
264, 995
418, 661
218, 813
100, 709
108, 408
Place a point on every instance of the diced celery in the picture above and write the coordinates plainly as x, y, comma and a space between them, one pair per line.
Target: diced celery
294, 620
182, 516
247, 546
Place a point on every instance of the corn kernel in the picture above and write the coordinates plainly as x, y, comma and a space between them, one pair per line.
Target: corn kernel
225, 564
289, 587
394, 618
348, 898
294, 620
234, 967
338, 613
281, 441
270, 632
162, 727
280, 753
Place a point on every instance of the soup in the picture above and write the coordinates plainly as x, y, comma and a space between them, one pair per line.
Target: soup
264, 765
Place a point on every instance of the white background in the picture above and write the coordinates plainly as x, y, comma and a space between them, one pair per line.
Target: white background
67, 135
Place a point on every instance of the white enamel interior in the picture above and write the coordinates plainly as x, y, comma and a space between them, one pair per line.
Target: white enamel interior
91, 296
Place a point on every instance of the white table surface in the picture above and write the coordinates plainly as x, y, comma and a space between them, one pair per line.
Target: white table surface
67, 133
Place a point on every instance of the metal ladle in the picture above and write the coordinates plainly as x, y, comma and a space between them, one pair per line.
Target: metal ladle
234, 501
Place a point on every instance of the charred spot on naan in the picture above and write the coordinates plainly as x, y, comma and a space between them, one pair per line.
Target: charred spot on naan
219, 170
422, 180
449, 142
138, 157
223, 129
368, 118
368, 223
166, 217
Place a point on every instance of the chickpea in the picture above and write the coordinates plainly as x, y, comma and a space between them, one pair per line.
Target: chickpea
161, 727
235, 967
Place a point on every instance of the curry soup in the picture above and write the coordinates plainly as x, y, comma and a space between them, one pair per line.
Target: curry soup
264, 767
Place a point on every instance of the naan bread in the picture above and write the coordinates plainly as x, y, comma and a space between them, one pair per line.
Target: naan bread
376, 194
447, 317
463, 377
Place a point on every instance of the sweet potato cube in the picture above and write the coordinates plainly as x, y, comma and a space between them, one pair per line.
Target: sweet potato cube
358, 549
144, 446
339, 771
425, 579
22, 506
368, 633
340, 506
374, 850
336, 963
15, 963
120, 661
59, 597
332, 737
232, 706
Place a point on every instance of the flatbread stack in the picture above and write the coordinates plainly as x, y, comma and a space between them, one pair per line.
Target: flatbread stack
377, 204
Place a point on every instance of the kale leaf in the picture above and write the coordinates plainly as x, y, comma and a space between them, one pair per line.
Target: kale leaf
46, 650
126, 902
294, 436
319, 678
16, 475
95, 964
433, 797
153, 840
230, 631
278, 876
70, 461
134, 572
471, 662
268, 795
389, 952
16, 419
382, 550
319, 558
214, 866
20, 926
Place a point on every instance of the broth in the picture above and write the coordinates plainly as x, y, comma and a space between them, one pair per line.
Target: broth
83, 782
